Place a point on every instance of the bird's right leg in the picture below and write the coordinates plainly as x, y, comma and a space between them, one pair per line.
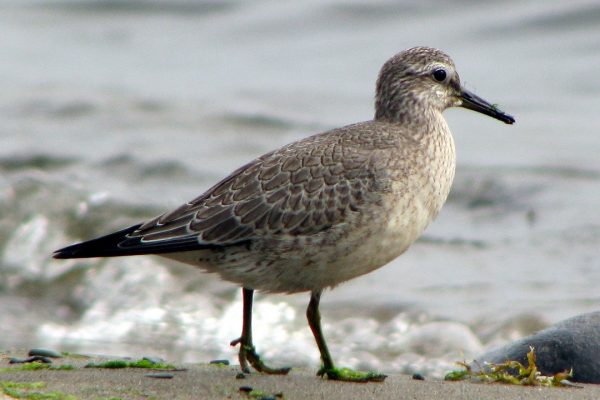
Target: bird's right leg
328, 369
247, 352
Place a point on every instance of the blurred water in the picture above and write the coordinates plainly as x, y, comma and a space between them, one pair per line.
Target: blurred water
114, 111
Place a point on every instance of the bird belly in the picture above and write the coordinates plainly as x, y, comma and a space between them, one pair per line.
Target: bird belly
399, 227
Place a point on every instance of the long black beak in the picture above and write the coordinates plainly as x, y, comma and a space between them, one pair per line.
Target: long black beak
476, 103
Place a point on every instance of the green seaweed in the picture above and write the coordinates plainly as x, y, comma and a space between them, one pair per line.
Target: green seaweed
111, 364
74, 355
36, 366
459, 374
30, 391
511, 373
259, 395
63, 367
19, 385
143, 363
350, 375
219, 363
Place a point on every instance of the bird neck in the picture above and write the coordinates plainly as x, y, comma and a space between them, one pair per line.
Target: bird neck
422, 118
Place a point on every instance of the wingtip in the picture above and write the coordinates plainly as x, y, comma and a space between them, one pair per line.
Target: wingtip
62, 254
104, 246
67, 252
120, 244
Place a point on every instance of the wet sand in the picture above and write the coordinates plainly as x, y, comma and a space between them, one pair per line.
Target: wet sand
203, 381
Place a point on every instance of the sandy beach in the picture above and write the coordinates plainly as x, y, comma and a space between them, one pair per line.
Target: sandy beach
205, 381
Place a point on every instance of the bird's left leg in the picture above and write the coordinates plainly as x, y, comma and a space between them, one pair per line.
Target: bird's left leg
247, 352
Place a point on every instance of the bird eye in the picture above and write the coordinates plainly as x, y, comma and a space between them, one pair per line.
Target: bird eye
439, 75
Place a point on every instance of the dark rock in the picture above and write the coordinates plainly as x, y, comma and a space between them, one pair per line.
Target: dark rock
219, 362
41, 359
160, 375
45, 353
572, 343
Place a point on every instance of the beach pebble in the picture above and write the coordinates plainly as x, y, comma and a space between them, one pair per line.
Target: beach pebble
160, 375
45, 353
44, 360
240, 375
219, 362
418, 377
246, 389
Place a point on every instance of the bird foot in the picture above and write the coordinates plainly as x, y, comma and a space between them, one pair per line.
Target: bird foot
248, 354
350, 375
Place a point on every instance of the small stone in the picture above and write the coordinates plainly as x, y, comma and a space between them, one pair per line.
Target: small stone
45, 353
246, 389
41, 359
418, 377
160, 375
566, 382
219, 362
240, 375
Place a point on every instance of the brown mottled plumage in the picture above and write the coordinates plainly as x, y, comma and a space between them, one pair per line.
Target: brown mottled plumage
324, 209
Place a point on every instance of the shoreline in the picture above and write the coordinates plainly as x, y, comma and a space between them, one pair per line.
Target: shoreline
214, 381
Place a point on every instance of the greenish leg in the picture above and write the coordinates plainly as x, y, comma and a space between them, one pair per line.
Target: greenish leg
314, 321
328, 368
247, 352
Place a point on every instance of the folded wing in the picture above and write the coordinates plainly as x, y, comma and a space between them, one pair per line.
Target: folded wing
301, 189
